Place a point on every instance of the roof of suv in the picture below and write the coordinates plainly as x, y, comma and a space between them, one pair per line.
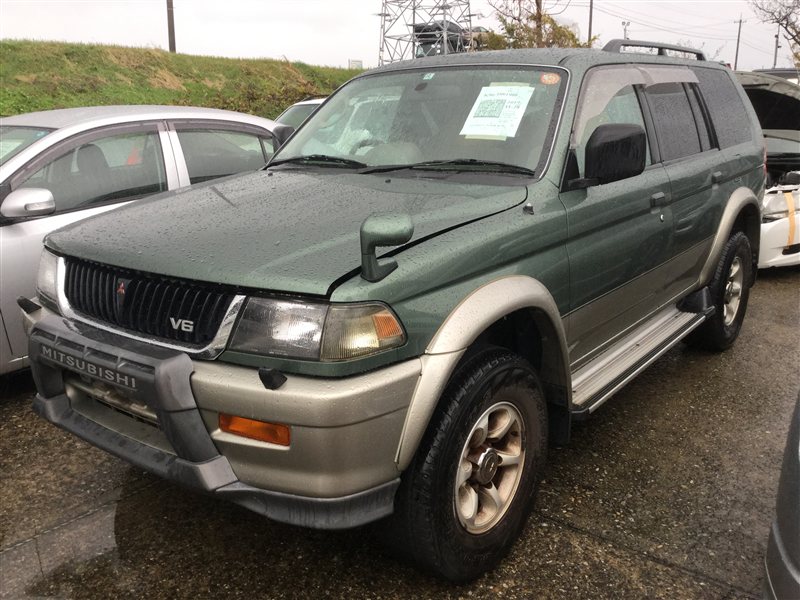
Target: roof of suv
541, 56
87, 115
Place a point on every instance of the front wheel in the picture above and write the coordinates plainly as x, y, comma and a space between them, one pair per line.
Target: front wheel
465, 497
730, 290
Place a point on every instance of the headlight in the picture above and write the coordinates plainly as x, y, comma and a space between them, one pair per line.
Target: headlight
47, 281
776, 206
316, 331
352, 331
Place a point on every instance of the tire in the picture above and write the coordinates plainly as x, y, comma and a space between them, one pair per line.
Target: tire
730, 291
436, 523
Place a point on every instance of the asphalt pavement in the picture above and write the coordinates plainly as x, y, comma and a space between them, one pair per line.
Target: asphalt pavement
667, 491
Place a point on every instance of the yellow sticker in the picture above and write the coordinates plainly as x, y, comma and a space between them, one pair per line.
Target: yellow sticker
550, 78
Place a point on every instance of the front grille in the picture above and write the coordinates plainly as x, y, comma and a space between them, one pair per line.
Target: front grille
175, 310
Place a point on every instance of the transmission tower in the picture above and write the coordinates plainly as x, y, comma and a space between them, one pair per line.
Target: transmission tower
413, 28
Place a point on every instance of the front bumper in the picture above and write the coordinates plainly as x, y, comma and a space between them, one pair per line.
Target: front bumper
780, 239
158, 409
775, 249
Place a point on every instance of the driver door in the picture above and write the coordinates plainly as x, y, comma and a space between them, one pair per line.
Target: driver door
620, 232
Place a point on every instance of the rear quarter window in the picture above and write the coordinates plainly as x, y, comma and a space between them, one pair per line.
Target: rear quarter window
728, 113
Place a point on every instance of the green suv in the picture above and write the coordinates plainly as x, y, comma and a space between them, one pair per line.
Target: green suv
447, 264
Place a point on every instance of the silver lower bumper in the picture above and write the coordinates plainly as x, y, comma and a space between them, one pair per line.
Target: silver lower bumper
338, 472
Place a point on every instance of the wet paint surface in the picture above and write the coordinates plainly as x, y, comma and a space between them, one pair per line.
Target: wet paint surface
666, 492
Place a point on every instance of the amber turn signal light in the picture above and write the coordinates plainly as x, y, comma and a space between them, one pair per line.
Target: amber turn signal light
272, 433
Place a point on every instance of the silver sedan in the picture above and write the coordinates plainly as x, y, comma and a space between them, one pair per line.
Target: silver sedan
59, 166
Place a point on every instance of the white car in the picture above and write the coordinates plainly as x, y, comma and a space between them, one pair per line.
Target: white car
780, 226
777, 103
299, 112
59, 166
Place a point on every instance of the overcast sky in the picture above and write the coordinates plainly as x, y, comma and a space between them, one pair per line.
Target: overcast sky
329, 32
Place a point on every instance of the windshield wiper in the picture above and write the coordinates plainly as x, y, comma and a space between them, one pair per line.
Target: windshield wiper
456, 164
320, 158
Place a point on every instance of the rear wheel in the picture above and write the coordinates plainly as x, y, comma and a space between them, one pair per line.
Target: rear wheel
465, 497
730, 291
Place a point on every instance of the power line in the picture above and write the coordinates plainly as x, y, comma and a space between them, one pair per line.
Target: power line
756, 49
652, 26
640, 15
657, 27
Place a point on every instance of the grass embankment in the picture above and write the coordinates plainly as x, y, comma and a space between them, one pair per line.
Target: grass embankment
45, 75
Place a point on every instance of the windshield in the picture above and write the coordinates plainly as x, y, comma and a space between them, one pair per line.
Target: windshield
296, 114
470, 115
14, 140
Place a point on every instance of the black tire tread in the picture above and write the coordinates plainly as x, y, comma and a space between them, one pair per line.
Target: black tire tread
412, 526
712, 335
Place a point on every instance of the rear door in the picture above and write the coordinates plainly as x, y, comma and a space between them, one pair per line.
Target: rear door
695, 167
207, 150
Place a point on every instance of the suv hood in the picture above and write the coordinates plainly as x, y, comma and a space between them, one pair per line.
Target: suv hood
290, 231
775, 100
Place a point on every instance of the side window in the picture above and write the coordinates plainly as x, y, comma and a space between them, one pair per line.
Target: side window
728, 113
212, 153
605, 100
673, 120
105, 169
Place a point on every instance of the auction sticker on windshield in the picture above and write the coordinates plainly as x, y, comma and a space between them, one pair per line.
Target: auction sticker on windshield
497, 111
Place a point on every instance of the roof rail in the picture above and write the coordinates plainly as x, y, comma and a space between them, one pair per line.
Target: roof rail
618, 45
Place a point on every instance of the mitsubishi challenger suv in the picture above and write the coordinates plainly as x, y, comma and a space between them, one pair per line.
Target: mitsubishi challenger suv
451, 260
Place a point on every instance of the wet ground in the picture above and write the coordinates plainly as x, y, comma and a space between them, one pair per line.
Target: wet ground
666, 492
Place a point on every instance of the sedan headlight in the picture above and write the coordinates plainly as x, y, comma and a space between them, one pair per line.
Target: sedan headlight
777, 206
316, 331
47, 280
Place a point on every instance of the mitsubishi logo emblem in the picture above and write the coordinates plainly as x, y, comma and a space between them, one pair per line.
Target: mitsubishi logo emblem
119, 296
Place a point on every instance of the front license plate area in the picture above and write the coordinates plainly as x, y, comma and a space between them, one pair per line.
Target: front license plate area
111, 397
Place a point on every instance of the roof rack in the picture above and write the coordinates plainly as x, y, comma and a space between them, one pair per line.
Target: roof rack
618, 45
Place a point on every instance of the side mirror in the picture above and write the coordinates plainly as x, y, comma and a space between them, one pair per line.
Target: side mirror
281, 133
28, 202
382, 230
615, 151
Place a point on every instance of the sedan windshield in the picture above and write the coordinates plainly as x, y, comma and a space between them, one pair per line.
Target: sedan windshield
14, 140
296, 114
453, 118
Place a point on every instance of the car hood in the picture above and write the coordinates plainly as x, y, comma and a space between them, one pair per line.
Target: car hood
775, 100
290, 230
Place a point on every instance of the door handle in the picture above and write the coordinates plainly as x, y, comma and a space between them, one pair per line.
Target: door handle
716, 176
658, 199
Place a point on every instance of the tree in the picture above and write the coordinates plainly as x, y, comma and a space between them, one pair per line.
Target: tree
712, 55
784, 13
526, 25
495, 41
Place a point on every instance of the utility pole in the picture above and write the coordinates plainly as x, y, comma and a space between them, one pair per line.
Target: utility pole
625, 25
171, 26
591, 7
738, 37
777, 45
538, 19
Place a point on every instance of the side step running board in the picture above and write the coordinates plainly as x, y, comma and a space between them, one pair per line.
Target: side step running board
599, 379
